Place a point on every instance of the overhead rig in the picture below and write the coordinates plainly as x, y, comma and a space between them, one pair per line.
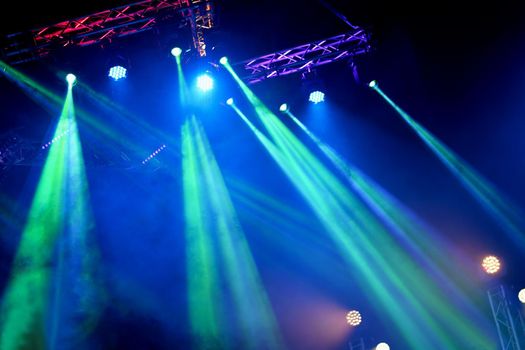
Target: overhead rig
108, 25
306, 57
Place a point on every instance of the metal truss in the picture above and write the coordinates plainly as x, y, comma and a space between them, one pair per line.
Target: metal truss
504, 319
307, 56
201, 18
105, 26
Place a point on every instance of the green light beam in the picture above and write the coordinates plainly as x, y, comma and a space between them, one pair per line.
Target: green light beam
407, 227
507, 215
333, 206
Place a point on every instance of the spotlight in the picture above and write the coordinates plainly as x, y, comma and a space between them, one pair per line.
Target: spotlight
283, 108
491, 264
205, 82
176, 51
223, 60
71, 79
316, 97
117, 72
372, 84
382, 346
521, 296
353, 318
229, 101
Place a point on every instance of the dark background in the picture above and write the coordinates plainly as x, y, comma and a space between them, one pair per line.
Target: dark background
458, 70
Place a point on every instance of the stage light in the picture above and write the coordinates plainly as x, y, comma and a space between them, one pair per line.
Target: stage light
117, 72
71, 79
283, 107
491, 264
521, 296
229, 101
205, 82
176, 51
316, 96
382, 346
56, 138
372, 84
223, 60
353, 318
154, 154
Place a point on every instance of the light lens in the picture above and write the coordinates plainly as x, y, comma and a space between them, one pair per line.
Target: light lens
71, 78
176, 51
117, 72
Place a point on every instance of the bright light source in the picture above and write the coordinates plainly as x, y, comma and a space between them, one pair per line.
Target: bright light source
316, 97
229, 101
205, 82
283, 107
353, 318
223, 60
372, 84
176, 51
154, 154
491, 264
71, 79
382, 346
117, 72
521, 295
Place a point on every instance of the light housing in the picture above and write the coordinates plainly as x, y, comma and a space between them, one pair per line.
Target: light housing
353, 318
176, 51
71, 79
316, 97
521, 296
491, 264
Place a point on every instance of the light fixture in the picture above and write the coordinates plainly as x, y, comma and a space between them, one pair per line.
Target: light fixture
117, 66
71, 79
382, 346
176, 51
117, 72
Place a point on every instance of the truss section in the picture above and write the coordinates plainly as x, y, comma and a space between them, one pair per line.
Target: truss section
307, 56
200, 19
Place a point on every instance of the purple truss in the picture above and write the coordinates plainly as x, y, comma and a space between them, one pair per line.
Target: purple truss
307, 56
